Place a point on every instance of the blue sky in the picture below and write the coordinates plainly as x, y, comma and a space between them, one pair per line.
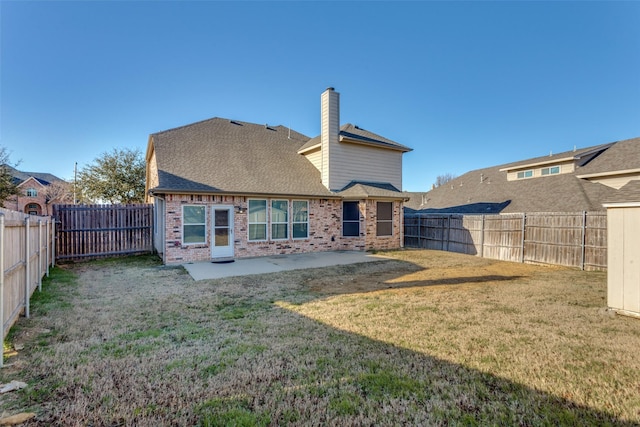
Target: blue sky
465, 84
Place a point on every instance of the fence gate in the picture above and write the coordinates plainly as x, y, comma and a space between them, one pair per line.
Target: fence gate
91, 231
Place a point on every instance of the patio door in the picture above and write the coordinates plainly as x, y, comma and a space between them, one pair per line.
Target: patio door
222, 220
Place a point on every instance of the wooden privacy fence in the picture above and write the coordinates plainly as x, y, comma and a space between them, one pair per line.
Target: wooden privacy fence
92, 231
26, 253
575, 239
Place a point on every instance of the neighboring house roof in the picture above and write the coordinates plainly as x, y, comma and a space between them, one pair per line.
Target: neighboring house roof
630, 193
585, 154
21, 176
489, 191
355, 134
621, 156
466, 194
229, 156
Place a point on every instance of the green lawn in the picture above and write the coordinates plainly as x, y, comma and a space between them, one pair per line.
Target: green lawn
428, 338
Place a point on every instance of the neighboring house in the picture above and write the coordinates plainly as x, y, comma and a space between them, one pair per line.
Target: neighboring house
225, 189
33, 196
578, 180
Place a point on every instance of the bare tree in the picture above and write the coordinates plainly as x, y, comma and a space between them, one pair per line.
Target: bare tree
443, 179
58, 192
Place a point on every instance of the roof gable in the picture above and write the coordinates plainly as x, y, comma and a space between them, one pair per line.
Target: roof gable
366, 190
354, 134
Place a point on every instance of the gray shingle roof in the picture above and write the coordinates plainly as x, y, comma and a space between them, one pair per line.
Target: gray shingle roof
623, 155
554, 193
357, 134
229, 156
21, 176
630, 193
365, 190
488, 190
573, 154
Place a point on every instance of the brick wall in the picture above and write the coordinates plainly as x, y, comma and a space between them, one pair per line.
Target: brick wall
20, 201
325, 229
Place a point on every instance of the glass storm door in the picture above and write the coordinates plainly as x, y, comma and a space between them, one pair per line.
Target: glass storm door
222, 246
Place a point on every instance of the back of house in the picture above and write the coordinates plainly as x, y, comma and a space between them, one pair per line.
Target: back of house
226, 189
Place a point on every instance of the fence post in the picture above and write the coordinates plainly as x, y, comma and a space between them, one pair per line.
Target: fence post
40, 255
49, 240
53, 242
524, 219
2, 283
27, 267
584, 236
448, 231
482, 238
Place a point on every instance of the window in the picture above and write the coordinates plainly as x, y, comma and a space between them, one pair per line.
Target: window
551, 171
32, 209
257, 220
525, 174
300, 219
32, 192
279, 219
350, 219
193, 224
384, 221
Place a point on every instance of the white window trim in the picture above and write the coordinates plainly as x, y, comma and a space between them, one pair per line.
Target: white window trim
272, 223
524, 173
31, 190
266, 223
204, 242
295, 222
549, 170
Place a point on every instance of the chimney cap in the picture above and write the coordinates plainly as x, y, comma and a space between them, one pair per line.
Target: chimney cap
330, 88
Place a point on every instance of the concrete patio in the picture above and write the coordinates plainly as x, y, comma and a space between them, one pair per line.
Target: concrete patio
272, 264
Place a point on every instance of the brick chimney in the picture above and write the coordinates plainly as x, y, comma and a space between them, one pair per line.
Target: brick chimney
329, 133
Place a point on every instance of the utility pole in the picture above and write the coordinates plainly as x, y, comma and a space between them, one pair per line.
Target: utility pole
75, 178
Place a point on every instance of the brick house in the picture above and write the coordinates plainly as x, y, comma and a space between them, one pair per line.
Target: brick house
33, 197
231, 189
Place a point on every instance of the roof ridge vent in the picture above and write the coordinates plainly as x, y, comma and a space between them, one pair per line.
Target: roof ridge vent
233, 122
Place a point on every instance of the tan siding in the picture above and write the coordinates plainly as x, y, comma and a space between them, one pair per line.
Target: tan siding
152, 177
565, 167
330, 119
623, 277
616, 182
315, 157
631, 274
361, 163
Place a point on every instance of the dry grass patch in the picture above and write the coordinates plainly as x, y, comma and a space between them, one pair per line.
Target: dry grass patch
424, 338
